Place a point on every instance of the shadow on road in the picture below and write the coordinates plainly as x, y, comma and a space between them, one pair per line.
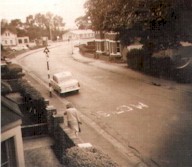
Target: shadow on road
177, 146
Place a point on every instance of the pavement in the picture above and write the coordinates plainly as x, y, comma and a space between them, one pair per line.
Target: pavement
91, 132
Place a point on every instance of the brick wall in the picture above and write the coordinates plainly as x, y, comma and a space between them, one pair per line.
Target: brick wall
62, 135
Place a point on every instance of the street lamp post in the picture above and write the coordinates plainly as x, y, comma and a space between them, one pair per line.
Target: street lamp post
71, 47
46, 51
50, 33
70, 40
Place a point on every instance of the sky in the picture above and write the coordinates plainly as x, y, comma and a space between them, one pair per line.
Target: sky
69, 10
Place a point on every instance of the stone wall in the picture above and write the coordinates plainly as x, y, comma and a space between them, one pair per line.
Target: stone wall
61, 134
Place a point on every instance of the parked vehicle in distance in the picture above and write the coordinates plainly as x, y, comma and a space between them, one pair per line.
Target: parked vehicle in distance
18, 48
64, 82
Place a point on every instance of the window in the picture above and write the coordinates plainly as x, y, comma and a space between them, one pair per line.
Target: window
20, 40
25, 41
11, 42
99, 46
8, 157
118, 47
5, 41
111, 47
107, 45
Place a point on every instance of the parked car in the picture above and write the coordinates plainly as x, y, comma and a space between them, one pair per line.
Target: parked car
64, 82
18, 48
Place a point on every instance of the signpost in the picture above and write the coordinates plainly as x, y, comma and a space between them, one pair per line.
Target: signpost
70, 40
46, 51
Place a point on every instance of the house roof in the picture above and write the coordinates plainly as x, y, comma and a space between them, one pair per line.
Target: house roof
10, 113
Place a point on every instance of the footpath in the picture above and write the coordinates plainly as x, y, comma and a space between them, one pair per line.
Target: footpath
91, 133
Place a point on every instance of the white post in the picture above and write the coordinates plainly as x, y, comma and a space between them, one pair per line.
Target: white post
50, 33
47, 56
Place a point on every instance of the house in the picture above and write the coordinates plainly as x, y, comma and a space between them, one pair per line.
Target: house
12, 153
78, 34
8, 38
24, 41
108, 43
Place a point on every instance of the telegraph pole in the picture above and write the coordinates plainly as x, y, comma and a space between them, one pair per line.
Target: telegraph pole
70, 40
46, 51
50, 33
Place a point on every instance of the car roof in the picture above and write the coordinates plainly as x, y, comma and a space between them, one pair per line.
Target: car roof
59, 76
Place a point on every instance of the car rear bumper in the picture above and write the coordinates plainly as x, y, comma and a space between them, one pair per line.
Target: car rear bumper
69, 90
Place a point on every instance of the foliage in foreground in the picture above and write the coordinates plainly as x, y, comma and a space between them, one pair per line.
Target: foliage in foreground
162, 22
11, 71
89, 157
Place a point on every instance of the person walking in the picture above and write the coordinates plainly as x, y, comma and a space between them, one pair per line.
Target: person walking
73, 119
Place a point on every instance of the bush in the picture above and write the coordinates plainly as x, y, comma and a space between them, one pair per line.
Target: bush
11, 71
89, 157
33, 101
137, 58
161, 66
183, 75
14, 67
29, 91
87, 48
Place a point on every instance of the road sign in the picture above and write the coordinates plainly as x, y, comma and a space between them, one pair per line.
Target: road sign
46, 50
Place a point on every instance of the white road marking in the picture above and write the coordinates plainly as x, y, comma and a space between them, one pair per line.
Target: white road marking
123, 109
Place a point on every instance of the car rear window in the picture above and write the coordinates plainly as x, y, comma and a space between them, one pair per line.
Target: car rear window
64, 78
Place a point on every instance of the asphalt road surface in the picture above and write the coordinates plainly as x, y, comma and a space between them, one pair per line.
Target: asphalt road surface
154, 121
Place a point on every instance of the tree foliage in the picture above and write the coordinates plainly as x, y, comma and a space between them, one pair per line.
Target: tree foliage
157, 21
36, 26
83, 22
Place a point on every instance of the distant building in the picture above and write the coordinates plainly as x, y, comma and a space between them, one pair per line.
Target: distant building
23, 40
12, 153
78, 34
108, 43
8, 38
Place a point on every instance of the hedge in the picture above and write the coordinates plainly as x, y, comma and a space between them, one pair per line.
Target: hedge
11, 71
139, 59
87, 48
162, 66
87, 157
33, 101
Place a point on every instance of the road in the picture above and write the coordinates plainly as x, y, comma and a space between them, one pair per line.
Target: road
153, 121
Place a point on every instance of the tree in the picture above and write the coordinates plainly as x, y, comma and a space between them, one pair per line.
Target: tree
16, 23
96, 11
44, 25
57, 24
30, 21
4, 23
157, 21
83, 22
36, 26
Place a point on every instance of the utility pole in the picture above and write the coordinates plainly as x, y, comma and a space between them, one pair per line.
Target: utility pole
50, 33
71, 47
46, 51
71, 43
